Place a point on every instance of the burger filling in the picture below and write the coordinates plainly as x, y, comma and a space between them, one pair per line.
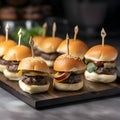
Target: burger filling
67, 77
34, 78
4, 62
101, 67
11, 65
47, 56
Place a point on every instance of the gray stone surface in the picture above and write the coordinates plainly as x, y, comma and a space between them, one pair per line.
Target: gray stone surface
12, 108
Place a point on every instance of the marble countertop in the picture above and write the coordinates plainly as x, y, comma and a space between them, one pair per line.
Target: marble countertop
11, 108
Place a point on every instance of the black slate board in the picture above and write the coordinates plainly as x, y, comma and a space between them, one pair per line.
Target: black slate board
53, 97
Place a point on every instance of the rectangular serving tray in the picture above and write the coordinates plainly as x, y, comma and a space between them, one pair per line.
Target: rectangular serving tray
54, 97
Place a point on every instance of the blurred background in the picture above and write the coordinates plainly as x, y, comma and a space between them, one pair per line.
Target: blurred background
89, 15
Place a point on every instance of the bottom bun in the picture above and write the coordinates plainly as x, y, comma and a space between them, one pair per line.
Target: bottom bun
100, 77
33, 88
2, 67
11, 75
68, 87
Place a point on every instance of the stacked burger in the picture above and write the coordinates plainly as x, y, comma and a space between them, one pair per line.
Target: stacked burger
77, 47
12, 57
5, 45
68, 72
101, 62
46, 49
35, 74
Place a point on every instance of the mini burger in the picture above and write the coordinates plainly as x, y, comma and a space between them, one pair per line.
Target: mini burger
101, 63
12, 57
68, 73
77, 48
47, 49
4, 47
35, 75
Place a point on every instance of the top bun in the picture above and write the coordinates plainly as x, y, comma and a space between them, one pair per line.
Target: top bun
50, 44
76, 48
5, 46
102, 53
68, 63
34, 64
17, 53
37, 40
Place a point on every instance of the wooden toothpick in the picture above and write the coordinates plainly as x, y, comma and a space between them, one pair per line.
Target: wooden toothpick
103, 35
67, 42
44, 29
76, 29
31, 42
20, 35
7, 27
54, 29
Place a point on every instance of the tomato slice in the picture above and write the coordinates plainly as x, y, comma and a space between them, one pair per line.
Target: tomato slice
61, 76
98, 63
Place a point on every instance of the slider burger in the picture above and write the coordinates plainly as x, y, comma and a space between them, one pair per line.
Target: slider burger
68, 73
4, 47
101, 63
37, 41
35, 75
12, 57
47, 49
76, 48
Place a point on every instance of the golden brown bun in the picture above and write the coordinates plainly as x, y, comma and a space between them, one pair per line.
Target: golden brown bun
76, 48
102, 53
2, 38
5, 46
104, 78
35, 64
69, 63
50, 44
68, 87
32, 89
37, 40
17, 53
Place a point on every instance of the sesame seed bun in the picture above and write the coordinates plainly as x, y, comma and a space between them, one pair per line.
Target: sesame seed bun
76, 48
65, 63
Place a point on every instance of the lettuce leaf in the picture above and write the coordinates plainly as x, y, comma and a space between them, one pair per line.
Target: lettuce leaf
27, 34
91, 67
